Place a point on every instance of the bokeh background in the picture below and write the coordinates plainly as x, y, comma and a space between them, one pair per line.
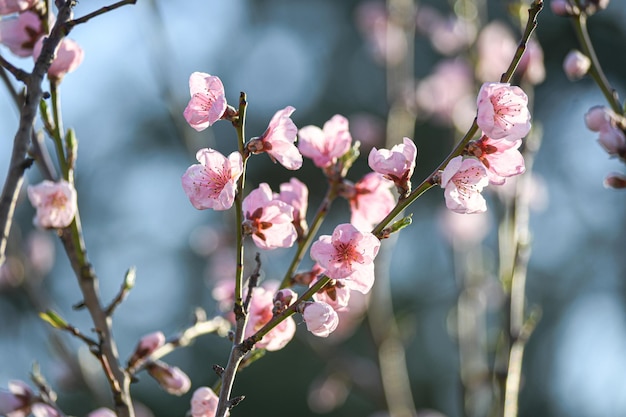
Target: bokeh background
126, 101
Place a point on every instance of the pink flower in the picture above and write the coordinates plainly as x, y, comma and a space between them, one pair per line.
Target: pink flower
463, 180
349, 255
55, 203
296, 194
615, 180
261, 312
147, 344
213, 182
501, 158
371, 200
170, 378
208, 100
20, 33
576, 65
495, 46
278, 140
531, 67
336, 294
102, 412
396, 164
320, 318
325, 146
43, 410
69, 55
204, 403
268, 220
503, 111
14, 6
17, 400
612, 138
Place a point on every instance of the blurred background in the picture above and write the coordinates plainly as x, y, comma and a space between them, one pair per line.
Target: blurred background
326, 57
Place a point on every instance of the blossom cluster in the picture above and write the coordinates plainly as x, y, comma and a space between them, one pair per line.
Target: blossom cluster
23, 30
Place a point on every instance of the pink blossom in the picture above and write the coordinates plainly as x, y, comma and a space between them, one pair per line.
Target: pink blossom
501, 158
324, 146
495, 46
463, 180
278, 140
213, 182
561, 7
296, 194
14, 6
386, 40
371, 200
268, 220
208, 100
448, 92
348, 254
320, 318
576, 65
396, 164
69, 55
612, 138
170, 378
147, 344
56, 203
503, 111
43, 410
531, 67
102, 412
20, 33
17, 400
261, 312
448, 34
204, 403
335, 293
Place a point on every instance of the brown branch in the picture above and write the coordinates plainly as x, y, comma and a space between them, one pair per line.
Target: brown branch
70, 24
18, 73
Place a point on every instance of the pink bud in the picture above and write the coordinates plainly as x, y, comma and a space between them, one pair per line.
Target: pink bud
598, 118
204, 403
561, 7
102, 412
320, 318
613, 141
171, 378
147, 344
615, 180
69, 55
286, 297
20, 33
576, 65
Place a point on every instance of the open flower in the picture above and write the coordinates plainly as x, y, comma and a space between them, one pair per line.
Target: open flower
501, 158
268, 220
503, 111
325, 146
348, 255
320, 318
208, 100
396, 164
213, 183
69, 55
278, 140
371, 200
260, 312
14, 6
55, 203
463, 180
20, 33
296, 194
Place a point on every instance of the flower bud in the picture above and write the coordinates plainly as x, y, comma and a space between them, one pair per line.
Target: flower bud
320, 318
204, 403
171, 378
612, 140
598, 118
147, 344
615, 180
69, 55
576, 65
562, 7
17, 400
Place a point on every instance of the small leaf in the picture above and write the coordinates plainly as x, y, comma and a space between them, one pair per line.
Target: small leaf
53, 319
129, 279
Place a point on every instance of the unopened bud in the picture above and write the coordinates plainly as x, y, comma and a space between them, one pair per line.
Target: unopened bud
171, 378
147, 344
576, 65
598, 118
320, 318
615, 180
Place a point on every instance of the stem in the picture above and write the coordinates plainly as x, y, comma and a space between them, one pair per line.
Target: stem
241, 316
580, 26
57, 129
304, 244
69, 25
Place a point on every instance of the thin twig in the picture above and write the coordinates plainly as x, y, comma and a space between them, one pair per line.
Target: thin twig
70, 24
18, 73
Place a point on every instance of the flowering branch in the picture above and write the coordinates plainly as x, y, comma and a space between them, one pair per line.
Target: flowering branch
19, 161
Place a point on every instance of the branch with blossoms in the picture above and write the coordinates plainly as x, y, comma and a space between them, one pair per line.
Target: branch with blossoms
609, 122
